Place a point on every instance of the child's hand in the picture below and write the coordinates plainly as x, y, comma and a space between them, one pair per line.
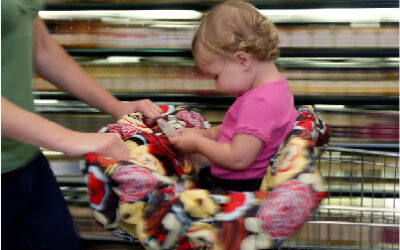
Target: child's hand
185, 142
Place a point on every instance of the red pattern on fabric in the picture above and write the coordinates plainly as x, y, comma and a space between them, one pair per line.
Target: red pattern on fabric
319, 196
306, 124
309, 126
163, 149
307, 115
192, 119
184, 244
236, 200
125, 130
135, 182
166, 109
96, 189
91, 157
286, 209
169, 190
161, 238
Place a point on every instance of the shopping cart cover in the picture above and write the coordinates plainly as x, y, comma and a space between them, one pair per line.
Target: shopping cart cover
153, 197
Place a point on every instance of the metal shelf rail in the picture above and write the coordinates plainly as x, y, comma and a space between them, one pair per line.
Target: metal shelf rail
285, 52
225, 100
202, 6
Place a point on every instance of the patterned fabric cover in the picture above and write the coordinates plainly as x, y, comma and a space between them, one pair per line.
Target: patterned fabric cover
153, 199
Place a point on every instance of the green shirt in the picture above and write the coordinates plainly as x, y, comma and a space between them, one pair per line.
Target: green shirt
17, 20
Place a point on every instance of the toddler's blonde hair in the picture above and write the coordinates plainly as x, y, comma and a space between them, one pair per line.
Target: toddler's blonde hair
237, 26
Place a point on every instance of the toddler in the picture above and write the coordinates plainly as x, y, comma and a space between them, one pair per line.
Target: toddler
236, 45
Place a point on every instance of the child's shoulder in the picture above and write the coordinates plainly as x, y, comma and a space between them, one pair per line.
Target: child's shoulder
270, 90
269, 94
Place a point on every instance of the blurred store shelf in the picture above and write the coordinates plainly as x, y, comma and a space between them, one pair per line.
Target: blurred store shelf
205, 5
366, 123
313, 77
226, 100
369, 31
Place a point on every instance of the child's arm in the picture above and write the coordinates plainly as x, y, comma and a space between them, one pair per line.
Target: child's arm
211, 133
237, 155
215, 132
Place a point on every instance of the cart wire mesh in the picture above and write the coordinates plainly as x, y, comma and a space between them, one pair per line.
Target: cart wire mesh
362, 211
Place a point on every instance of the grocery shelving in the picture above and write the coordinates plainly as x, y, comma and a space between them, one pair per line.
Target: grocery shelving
205, 5
332, 52
224, 101
374, 53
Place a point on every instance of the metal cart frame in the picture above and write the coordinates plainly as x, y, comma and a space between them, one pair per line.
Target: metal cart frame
363, 210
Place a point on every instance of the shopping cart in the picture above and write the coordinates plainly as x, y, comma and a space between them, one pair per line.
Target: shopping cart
363, 209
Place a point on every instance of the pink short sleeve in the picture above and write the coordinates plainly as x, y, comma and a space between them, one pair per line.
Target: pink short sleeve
256, 117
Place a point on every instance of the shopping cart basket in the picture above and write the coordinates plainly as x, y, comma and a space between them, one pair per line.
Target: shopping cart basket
363, 209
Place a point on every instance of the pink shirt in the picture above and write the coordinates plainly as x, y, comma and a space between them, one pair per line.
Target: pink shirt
266, 112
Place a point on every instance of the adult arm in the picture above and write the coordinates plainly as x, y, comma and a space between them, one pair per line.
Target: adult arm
54, 64
30, 128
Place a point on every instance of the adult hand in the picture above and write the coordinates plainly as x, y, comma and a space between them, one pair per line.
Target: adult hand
185, 142
150, 110
108, 144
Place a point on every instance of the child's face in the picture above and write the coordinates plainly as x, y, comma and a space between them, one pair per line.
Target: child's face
230, 75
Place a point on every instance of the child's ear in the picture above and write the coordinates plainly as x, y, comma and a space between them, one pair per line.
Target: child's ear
243, 59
